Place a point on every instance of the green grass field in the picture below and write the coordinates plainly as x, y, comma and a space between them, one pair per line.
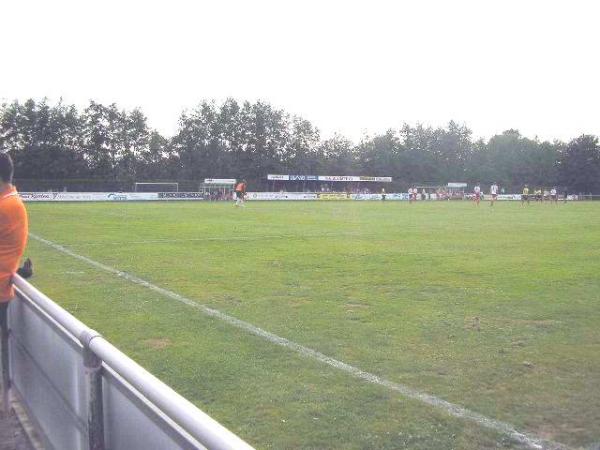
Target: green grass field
494, 309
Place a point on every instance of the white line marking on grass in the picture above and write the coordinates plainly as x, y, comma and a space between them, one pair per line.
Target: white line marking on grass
450, 408
219, 238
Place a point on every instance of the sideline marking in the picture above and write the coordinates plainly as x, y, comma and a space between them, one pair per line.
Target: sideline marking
452, 409
209, 239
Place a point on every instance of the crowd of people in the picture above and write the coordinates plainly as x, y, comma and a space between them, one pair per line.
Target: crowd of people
539, 194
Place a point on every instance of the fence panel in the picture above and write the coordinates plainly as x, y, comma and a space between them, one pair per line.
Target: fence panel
47, 373
126, 413
76, 386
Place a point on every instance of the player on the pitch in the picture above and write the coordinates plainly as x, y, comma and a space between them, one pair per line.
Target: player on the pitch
477, 194
554, 195
525, 195
493, 193
240, 193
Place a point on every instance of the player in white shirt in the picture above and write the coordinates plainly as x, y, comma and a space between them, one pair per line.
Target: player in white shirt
477, 192
412, 195
554, 196
493, 193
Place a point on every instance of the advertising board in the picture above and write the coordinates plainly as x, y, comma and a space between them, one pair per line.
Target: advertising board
397, 196
38, 196
338, 178
334, 196
107, 196
303, 177
219, 181
377, 179
508, 197
180, 195
281, 196
177, 196
275, 177
354, 178
83, 196
367, 196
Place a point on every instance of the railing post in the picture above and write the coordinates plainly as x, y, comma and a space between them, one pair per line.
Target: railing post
93, 372
5, 358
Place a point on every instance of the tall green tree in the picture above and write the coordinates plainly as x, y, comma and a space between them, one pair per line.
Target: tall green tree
250, 140
579, 165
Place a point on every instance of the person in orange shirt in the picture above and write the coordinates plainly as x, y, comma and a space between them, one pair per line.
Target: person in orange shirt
240, 193
13, 238
13, 235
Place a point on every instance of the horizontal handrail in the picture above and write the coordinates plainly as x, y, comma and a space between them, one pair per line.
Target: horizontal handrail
196, 423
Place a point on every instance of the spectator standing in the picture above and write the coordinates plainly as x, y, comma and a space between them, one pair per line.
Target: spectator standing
13, 238
13, 229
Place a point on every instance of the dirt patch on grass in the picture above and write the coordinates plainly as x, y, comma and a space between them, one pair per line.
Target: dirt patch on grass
500, 322
231, 300
158, 343
356, 306
536, 323
552, 431
298, 302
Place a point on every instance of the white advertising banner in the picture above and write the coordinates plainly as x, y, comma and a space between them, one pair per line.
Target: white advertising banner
219, 181
107, 196
337, 178
275, 177
506, 197
281, 196
377, 179
367, 196
397, 196
321, 196
303, 177
86, 196
388, 196
354, 178
179, 196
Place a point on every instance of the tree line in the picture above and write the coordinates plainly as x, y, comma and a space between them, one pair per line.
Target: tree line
105, 147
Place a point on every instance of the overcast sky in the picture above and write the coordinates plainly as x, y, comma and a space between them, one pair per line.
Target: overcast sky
349, 67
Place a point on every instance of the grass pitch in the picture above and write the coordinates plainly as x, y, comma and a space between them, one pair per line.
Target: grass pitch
494, 309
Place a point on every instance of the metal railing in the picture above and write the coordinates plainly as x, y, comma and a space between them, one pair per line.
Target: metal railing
82, 393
